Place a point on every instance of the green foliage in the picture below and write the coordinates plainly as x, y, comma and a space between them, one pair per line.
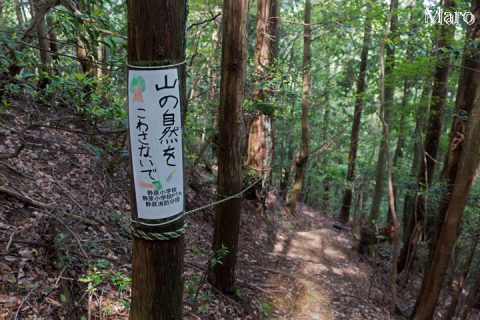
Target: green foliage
190, 287
116, 217
90, 245
217, 256
238, 293
97, 151
266, 307
98, 98
101, 272
121, 281
203, 308
336, 46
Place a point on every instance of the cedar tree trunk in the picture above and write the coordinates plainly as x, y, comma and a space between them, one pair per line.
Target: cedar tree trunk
389, 95
157, 266
230, 126
465, 175
302, 156
357, 116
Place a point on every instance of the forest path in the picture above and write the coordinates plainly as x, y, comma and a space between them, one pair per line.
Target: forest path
335, 278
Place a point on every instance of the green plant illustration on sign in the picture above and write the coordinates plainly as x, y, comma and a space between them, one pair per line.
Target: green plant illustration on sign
137, 86
157, 184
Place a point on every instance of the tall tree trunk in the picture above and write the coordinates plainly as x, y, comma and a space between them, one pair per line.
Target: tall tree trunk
411, 231
398, 154
394, 253
19, 13
461, 280
421, 112
406, 92
289, 165
28, 36
99, 69
86, 63
230, 122
216, 45
267, 28
261, 134
357, 116
43, 44
469, 80
82, 47
432, 139
389, 96
473, 297
52, 37
464, 179
302, 156
434, 124
324, 158
157, 266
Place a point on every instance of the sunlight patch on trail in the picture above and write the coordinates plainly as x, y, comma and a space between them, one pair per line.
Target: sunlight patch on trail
308, 250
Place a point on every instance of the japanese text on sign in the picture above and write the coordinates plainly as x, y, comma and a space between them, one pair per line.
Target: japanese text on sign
156, 142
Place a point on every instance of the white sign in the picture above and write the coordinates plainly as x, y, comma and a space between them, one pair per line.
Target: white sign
156, 142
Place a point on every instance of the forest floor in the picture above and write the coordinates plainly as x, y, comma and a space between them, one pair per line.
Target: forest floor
65, 250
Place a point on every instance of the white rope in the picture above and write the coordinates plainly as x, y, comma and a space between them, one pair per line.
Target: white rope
238, 195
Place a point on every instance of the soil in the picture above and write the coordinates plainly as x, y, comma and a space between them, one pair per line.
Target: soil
65, 249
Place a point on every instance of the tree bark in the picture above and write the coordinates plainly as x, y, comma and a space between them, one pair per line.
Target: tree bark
434, 124
261, 134
43, 50
19, 14
389, 97
302, 156
52, 37
156, 37
468, 164
473, 296
398, 154
469, 80
394, 226
432, 139
82, 48
43, 44
461, 280
324, 158
230, 122
267, 28
28, 36
357, 116
409, 222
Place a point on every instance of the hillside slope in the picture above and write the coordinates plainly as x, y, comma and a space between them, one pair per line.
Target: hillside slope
65, 249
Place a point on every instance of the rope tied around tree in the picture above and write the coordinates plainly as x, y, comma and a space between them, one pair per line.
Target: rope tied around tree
170, 235
153, 236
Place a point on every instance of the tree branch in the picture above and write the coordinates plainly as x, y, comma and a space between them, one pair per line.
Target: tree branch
204, 21
24, 198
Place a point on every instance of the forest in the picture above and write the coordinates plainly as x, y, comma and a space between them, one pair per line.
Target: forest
239, 159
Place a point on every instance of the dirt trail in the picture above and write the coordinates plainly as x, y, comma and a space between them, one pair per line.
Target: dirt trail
334, 277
